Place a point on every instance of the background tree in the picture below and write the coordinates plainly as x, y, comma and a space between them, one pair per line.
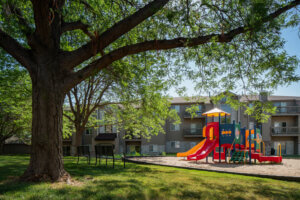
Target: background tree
61, 43
15, 104
126, 93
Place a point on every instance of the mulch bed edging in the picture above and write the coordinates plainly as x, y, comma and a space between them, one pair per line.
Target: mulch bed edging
284, 178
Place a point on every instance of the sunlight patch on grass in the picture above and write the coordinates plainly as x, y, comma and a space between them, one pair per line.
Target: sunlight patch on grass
140, 182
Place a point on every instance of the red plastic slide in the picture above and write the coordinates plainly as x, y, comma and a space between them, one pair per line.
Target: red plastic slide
208, 147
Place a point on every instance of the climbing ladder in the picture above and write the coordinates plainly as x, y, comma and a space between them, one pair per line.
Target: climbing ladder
239, 156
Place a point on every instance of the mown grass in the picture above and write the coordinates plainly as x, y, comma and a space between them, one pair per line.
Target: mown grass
139, 182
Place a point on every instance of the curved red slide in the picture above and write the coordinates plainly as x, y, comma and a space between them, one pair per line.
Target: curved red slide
208, 147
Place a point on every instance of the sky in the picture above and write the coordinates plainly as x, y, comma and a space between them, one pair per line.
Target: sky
292, 46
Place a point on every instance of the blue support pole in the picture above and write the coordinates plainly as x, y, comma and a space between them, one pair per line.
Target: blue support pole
250, 146
225, 119
233, 134
255, 141
219, 138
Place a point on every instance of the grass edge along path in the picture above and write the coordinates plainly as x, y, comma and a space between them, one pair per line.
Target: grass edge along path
139, 182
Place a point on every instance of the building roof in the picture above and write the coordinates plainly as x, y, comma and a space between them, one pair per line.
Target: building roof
185, 100
246, 98
243, 98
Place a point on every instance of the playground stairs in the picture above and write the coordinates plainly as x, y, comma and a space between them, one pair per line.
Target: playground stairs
239, 157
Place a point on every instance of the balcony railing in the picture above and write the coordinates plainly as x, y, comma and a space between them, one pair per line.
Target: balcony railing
288, 109
192, 131
196, 115
285, 131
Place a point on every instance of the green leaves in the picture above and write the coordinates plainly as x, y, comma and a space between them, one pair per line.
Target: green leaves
15, 103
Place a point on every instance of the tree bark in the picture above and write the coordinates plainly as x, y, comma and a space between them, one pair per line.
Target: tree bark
78, 139
46, 161
1, 147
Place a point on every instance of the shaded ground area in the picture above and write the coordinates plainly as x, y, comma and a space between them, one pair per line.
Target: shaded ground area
289, 167
139, 182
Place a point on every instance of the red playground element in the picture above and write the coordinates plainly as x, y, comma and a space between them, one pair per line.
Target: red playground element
216, 155
210, 143
204, 151
261, 158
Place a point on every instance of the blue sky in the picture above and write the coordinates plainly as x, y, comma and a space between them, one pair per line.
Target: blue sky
292, 46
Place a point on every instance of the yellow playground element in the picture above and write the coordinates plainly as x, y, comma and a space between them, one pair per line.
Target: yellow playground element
192, 150
195, 148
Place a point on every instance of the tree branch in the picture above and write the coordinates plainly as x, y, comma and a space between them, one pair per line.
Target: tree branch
16, 50
70, 26
76, 57
41, 17
120, 53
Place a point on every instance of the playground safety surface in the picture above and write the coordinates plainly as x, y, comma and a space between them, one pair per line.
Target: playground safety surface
289, 169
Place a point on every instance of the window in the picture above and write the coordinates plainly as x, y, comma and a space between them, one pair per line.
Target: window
251, 125
283, 147
153, 148
193, 128
88, 131
176, 107
192, 144
281, 107
174, 127
108, 129
226, 108
175, 144
200, 107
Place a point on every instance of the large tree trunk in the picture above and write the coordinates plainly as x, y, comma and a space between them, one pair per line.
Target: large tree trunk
46, 161
1, 147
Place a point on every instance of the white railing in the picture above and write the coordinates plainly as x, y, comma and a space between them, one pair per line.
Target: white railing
285, 130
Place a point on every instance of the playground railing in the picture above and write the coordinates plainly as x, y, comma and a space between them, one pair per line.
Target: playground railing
279, 150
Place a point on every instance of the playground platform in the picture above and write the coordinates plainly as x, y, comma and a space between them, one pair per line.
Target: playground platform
289, 169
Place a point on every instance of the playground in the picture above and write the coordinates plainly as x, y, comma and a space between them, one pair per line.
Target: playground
288, 167
227, 147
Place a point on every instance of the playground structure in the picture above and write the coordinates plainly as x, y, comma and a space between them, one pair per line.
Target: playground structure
224, 139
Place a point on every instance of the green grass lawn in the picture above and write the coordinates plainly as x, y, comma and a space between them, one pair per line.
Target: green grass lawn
139, 182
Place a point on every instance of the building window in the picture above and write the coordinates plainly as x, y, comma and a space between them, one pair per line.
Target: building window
88, 131
175, 144
175, 127
133, 149
251, 125
226, 108
153, 148
193, 128
176, 107
192, 144
281, 106
283, 148
200, 107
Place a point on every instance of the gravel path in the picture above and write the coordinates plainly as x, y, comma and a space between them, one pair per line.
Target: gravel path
289, 167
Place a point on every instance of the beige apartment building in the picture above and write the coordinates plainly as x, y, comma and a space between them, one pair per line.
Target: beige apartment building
282, 127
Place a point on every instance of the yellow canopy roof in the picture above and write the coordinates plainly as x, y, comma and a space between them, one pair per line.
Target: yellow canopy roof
215, 113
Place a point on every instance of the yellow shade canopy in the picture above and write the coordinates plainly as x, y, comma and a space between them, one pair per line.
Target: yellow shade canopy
215, 113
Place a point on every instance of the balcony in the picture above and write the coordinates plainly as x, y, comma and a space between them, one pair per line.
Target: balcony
195, 116
106, 137
192, 132
285, 131
288, 110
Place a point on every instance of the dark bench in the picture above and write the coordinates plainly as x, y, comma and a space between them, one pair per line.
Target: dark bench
84, 151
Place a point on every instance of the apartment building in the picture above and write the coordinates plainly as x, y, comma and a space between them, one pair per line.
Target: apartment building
282, 127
